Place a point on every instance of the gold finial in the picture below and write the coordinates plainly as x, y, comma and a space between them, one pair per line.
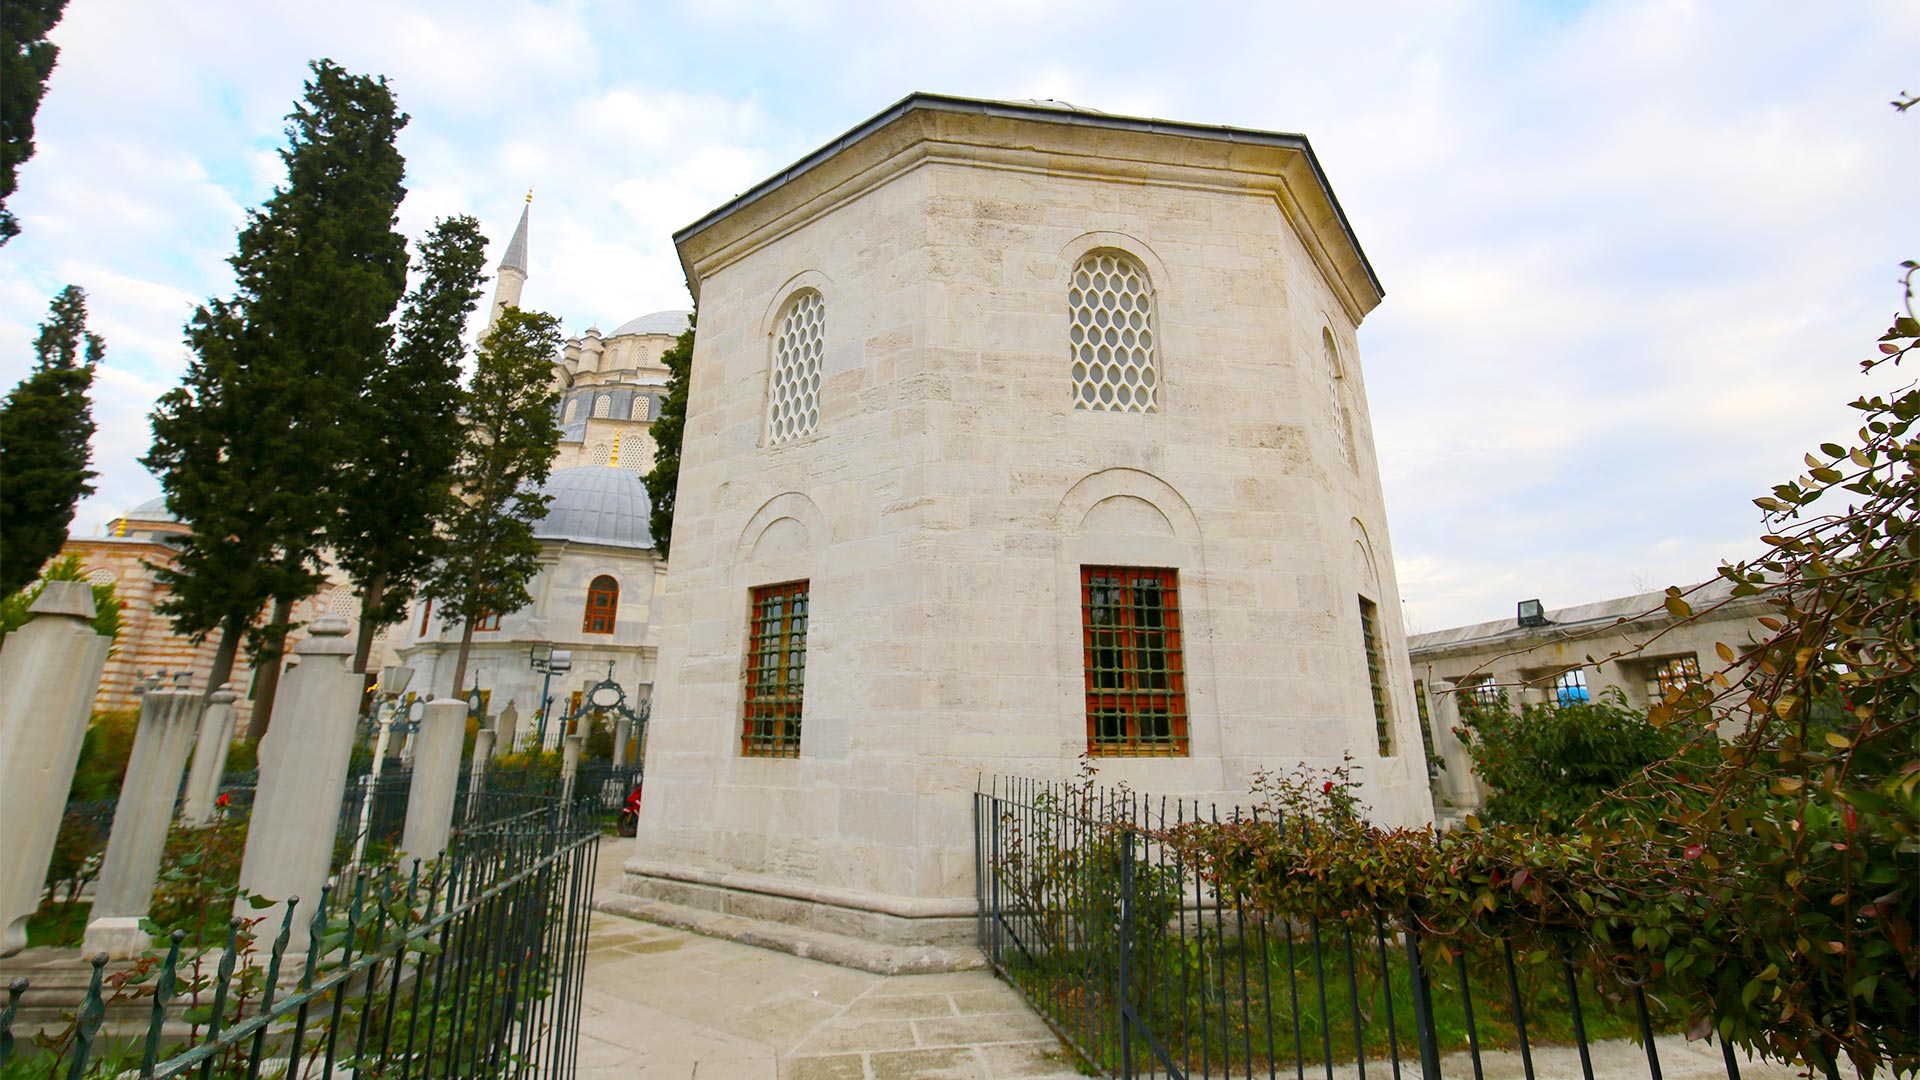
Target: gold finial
529, 195
614, 461
120, 527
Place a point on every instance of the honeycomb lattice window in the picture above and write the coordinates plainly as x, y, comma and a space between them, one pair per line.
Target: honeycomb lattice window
342, 601
572, 413
641, 405
100, 577
1110, 304
600, 454
793, 405
602, 407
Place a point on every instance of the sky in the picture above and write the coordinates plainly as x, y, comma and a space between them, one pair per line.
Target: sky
1632, 251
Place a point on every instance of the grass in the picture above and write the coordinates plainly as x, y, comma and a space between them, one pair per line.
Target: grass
1217, 1001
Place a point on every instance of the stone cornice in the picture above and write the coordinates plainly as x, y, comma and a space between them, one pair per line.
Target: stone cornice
925, 129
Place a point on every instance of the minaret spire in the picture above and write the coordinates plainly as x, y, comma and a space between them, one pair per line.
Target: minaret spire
513, 267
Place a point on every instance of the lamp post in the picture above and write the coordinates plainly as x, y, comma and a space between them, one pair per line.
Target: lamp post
549, 661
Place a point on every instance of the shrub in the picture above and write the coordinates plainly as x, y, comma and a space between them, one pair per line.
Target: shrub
1551, 765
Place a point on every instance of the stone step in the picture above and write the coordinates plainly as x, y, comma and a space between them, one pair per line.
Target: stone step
820, 945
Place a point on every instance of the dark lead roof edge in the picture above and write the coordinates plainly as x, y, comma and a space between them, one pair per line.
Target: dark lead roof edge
1044, 114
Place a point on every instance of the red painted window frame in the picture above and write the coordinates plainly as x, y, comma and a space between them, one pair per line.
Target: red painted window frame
1130, 701
603, 606
774, 694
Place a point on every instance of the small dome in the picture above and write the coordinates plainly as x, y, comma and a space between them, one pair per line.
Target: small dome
154, 509
597, 504
672, 323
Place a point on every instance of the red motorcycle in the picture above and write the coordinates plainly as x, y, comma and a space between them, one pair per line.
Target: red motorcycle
629, 822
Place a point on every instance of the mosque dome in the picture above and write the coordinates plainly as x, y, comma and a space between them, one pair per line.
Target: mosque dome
596, 504
154, 509
673, 323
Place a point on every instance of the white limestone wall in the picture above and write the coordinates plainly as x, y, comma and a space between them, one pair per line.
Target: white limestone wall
949, 495
556, 617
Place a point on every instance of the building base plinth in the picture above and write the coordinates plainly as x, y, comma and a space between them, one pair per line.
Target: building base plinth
917, 937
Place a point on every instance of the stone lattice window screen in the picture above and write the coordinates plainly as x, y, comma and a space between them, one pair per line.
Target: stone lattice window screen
641, 406
1337, 398
341, 601
102, 576
572, 413
602, 407
1110, 306
601, 454
799, 340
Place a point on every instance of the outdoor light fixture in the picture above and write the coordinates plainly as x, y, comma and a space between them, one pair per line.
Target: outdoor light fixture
539, 654
1532, 613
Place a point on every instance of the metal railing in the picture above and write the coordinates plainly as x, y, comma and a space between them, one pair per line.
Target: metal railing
1145, 969
470, 966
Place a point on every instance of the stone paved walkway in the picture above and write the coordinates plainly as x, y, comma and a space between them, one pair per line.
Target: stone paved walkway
666, 1003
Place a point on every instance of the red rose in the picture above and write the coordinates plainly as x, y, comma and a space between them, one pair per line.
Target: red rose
1327, 788
223, 800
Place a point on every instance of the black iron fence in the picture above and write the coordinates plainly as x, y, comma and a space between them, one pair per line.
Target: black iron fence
1136, 959
471, 966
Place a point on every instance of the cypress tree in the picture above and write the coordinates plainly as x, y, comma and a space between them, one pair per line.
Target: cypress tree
46, 425
489, 553
252, 447
408, 435
663, 480
26, 62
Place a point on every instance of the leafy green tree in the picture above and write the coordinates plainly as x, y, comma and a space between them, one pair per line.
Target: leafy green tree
46, 426
1549, 766
669, 428
26, 61
409, 435
251, 449
15, 613
489, 552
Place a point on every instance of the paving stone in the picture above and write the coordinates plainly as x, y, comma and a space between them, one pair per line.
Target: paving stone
829, 1067
902, 1006
981, 1030
1038, 1060
997, 1000
953, 1064
854, 1036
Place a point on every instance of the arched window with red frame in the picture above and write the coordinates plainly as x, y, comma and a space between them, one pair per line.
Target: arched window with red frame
603, 603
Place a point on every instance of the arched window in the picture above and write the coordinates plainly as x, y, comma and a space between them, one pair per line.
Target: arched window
793, 397
640, 406
603, 602
601, 454
1110, 307
603, 406
1337, 397
100, 577
572, 413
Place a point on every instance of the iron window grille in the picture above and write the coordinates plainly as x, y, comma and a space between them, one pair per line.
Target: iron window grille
1376, 676
1426, 728
1481, 692
1131, 644
1674, 673
603, 603
776, 671
1568, 688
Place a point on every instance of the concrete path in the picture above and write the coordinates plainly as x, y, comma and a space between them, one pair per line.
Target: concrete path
666, 1003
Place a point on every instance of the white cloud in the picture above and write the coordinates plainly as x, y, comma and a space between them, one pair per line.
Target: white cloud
1630, 249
